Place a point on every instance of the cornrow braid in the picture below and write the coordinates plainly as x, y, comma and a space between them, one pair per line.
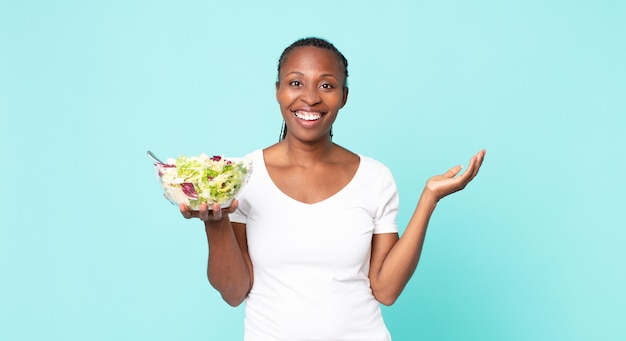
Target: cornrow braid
315, 42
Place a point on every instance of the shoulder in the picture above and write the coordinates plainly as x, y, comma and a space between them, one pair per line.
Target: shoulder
376, 174
366, 164
373, 165
272, 154
254, 155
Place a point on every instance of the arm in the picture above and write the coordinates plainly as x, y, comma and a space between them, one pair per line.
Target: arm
394, 259
229, 266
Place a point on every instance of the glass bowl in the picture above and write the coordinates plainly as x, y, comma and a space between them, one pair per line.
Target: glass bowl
198, 179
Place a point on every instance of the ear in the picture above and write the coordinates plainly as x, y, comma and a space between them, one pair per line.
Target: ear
345, 96
277, 86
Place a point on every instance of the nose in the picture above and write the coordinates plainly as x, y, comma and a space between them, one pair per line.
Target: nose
310, 95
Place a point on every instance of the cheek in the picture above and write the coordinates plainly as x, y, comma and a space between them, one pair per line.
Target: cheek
283, 102
284, 97
334, 101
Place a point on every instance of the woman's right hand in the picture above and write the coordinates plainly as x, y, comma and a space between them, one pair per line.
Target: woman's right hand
204, 214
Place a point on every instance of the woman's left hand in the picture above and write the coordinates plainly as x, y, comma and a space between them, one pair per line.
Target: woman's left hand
448, 183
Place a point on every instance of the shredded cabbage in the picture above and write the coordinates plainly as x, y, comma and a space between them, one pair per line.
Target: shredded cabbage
196, 179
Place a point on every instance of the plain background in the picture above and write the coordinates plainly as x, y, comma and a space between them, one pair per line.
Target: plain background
533, 249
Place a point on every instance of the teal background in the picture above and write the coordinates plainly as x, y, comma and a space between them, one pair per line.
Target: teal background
533, 249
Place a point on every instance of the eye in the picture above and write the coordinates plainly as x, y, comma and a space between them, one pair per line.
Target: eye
294, 83
327, 86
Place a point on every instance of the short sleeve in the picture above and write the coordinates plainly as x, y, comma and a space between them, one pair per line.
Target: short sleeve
387, 211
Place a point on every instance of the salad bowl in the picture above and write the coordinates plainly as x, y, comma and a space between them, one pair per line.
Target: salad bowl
192, 180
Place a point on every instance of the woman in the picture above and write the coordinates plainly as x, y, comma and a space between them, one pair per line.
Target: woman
312, 244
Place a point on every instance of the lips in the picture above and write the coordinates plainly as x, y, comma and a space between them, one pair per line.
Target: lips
308, 115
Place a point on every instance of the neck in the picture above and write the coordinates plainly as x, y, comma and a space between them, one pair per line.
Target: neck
306, 153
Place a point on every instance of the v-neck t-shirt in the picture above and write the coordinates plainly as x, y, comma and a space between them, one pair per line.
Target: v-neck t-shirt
311, 261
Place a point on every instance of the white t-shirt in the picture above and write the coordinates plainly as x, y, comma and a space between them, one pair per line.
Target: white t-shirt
311, 261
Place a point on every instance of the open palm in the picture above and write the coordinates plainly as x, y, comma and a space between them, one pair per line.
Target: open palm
448, 183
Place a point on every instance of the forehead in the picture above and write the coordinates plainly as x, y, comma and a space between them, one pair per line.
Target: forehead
306, 57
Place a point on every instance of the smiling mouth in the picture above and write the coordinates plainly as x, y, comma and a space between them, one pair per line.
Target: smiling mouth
308, 115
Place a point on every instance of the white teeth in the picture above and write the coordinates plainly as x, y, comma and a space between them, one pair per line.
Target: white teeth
308, 116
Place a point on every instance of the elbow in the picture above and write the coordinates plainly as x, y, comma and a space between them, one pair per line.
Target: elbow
234, 295
234, 301
386, 298
387, 301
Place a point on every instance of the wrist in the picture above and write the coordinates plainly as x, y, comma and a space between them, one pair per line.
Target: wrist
217, 224
428, 198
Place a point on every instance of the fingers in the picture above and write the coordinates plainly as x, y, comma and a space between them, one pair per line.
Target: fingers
478, 161
184, 210
217, 212
452, 172
189, 213
233, 207
450, 182
474, 166
205, 214
469, 172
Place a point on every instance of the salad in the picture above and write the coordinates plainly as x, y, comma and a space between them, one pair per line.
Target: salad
193, 180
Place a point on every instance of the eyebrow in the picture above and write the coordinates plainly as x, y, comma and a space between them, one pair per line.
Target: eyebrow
302, 74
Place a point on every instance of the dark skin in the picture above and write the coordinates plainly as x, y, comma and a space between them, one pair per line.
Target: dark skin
311, 91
